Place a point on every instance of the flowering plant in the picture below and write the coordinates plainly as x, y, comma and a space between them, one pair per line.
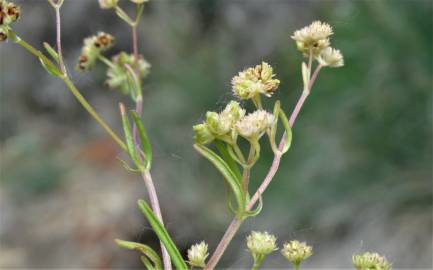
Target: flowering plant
218, 138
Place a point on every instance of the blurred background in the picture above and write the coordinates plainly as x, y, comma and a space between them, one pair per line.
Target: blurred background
358, 176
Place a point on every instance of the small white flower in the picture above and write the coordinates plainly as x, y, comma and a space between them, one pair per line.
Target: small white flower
370, 261
222, 123
261, 243
255, 124
197, 254
331, 57
314, 37
255, 80
296, 252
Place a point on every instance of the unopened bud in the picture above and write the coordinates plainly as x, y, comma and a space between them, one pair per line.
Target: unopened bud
197, 254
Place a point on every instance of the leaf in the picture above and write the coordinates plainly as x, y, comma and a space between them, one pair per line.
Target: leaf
147, 263
288, 129
50, 68
128, 136
256, 211
228, 174
146, 250
224, 151
127, 167
133, 82
163, 236
147, 147
52, 52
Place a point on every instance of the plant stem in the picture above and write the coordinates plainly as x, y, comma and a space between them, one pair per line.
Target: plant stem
154, 203
247, 170
236, 223
59, 38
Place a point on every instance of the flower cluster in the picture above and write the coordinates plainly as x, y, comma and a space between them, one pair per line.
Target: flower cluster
314, 39
255, 81
254, 125
9, 13
370, 261
92, 49
261, 243
117, 72
296, 252
197, 254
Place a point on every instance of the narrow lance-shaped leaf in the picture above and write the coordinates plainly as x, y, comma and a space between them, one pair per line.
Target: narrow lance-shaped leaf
225, 170
147, 263
228, 158
51, 52
163, 236
146, 250
144, 139
128, 136
288, 129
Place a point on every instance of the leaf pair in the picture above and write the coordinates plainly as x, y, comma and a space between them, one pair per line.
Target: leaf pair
140, 151
279, 113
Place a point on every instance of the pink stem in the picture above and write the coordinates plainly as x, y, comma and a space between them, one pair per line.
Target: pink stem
59, 40
236, 223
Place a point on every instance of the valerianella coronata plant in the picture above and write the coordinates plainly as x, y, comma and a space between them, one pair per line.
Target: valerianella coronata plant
231, 140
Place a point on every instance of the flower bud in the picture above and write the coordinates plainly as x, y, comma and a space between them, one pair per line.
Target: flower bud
369, 261
197, 254
261, 243
107, 4
331, 57
296, 252
255, 124
254, 81
202, 134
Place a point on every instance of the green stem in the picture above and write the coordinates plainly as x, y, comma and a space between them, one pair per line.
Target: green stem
73, 90
106, 61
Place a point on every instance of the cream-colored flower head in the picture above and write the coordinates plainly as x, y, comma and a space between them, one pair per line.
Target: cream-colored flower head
107, 4
254, 81
296, 252
254, 125
197, 254
9, 13
331, 57
370, 261
314, 38
261, 243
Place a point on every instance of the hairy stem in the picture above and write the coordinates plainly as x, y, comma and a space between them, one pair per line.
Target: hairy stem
236, 223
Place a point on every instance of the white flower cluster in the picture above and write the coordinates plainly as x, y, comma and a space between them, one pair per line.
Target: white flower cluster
197, 254
314, 39
261, 243
370, 261
296, 252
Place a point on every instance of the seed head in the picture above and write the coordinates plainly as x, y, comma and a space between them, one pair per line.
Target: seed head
261, 243
255, 124
255, 80
296, 252
9, 12
107, 4
314, 38
370, 261
93, 47
197, 255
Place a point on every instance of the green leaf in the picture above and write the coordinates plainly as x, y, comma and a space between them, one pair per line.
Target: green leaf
134, 83
128, 136
50, 68
163, 236
146, 250
52, 52
228, 174
288, 129
147, 263
224, 151
147, 148
256, 211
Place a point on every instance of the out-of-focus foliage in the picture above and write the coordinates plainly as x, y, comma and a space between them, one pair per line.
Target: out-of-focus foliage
358, 176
